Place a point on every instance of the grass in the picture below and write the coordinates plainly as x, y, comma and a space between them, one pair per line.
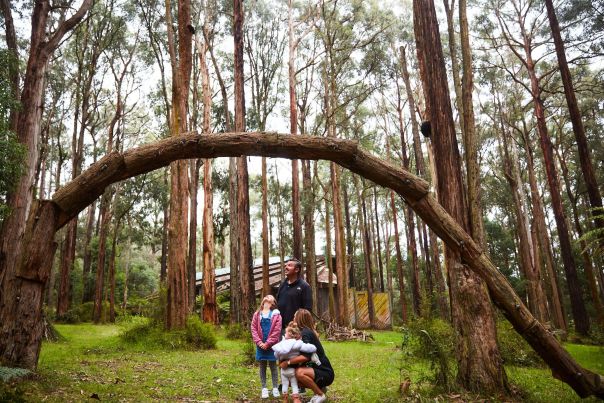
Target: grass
93, 361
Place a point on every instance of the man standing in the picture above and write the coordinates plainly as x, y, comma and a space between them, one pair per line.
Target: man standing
294, 293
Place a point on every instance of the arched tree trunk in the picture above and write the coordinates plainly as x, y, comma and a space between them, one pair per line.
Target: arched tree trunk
49, 216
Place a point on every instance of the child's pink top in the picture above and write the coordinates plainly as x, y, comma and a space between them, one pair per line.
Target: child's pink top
273, 335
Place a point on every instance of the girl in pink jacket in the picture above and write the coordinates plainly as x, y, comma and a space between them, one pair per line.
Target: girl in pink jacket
266, 331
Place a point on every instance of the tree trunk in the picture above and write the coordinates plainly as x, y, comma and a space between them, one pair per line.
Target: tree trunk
105, 218
26, 124
309, 233
366, 253
266, 288
235, 298
194, 166
329, 263
540, 230
339, 244
572, 279
67, 260
469, 131
86, 284
587, 262
420, 167
595, 198
455, 70
399, 262
293, 125
479, 362
177, 289
127, 266
210, 307
536, 296
163, 271
378, 243
349, 242
410, 218
243, 203
112, 272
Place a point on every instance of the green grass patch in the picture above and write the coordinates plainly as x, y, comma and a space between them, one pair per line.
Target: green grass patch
94, 361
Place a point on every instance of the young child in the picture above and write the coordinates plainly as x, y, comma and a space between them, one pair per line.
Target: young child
291, 346
266, 330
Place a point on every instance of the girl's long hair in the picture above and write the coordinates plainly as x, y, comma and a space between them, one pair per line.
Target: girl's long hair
304, 319
270, 299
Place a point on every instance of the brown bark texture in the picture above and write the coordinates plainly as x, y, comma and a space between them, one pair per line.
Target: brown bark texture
26, 123
595, 198
529, 266
399, 262
479, 362
540, 230
243, 202
572, 278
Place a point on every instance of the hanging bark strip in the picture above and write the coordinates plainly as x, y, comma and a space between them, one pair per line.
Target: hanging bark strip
79, 193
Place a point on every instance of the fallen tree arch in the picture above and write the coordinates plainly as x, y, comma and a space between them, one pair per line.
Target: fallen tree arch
47, 216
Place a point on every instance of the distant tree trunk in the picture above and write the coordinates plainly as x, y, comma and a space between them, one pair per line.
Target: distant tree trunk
399, 256
343, 317
366, 252
105, 218
127, 265
293, 125
235, 303
235, 299
470, 138
379, 245
455, 70
595, 198
86, 286
553, 180
266, 288
163, 271
116, 231
349, 243
210, 307
587, 262
194, 166
409, 217
479, 362
177, 289
540, 229
309, 232
243, 203
67, 259
389, 285
329, 263
280, 225
536, 296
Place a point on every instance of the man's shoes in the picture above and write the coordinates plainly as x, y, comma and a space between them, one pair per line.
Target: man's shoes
264, 394
318, 398
276, 392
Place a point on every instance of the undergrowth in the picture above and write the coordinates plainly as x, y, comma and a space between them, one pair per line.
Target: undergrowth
151, 334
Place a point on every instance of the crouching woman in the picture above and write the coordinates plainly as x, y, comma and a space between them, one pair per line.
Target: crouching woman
310, 375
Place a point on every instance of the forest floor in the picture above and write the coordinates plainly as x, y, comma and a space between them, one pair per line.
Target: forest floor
92, 362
